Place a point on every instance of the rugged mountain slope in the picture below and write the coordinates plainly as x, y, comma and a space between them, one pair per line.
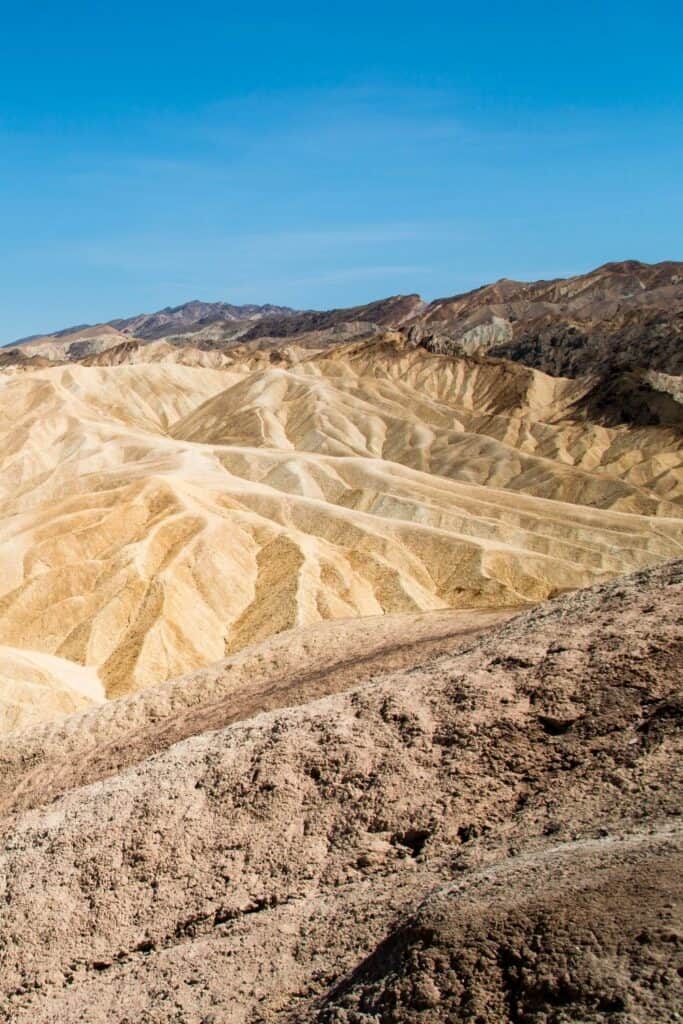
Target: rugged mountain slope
280, 742
584, 931
194, 316
211, 319
156, 516
390, 312
625, 315
71, 344
641, 398
491, 835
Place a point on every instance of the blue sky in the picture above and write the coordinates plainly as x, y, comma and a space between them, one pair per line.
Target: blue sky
151, 153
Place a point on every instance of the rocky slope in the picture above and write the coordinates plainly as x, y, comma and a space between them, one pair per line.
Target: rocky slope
492, 834
209, 319
627, 316
195, 316
290, 668
390, 312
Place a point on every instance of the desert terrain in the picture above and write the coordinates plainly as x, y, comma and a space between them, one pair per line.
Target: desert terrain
340, 661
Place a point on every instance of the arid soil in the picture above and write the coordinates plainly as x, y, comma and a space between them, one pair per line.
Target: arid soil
489, 835
584, 931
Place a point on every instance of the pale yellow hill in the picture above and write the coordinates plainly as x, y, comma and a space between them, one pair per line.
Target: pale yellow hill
72, 344
129, 351
482, 422
156, 516
36, 686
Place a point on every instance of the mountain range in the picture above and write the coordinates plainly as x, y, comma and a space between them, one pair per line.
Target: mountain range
625, 316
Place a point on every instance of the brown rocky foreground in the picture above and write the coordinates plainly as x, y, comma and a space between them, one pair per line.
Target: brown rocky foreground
490, 835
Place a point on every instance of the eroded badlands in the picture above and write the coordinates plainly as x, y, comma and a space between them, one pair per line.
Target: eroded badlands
157, 516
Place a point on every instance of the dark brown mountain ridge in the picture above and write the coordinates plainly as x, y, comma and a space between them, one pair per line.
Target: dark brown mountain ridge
622, 315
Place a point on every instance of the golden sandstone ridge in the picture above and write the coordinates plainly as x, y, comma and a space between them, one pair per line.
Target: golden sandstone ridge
169, 507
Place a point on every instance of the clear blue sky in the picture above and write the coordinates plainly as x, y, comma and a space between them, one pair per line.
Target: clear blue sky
155, 152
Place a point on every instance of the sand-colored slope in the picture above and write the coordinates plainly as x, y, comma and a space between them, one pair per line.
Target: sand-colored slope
155, 517
131, 352
36, 686
478, 421
75, 343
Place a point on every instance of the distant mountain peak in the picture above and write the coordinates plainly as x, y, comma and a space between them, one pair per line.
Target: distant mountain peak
180, 319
